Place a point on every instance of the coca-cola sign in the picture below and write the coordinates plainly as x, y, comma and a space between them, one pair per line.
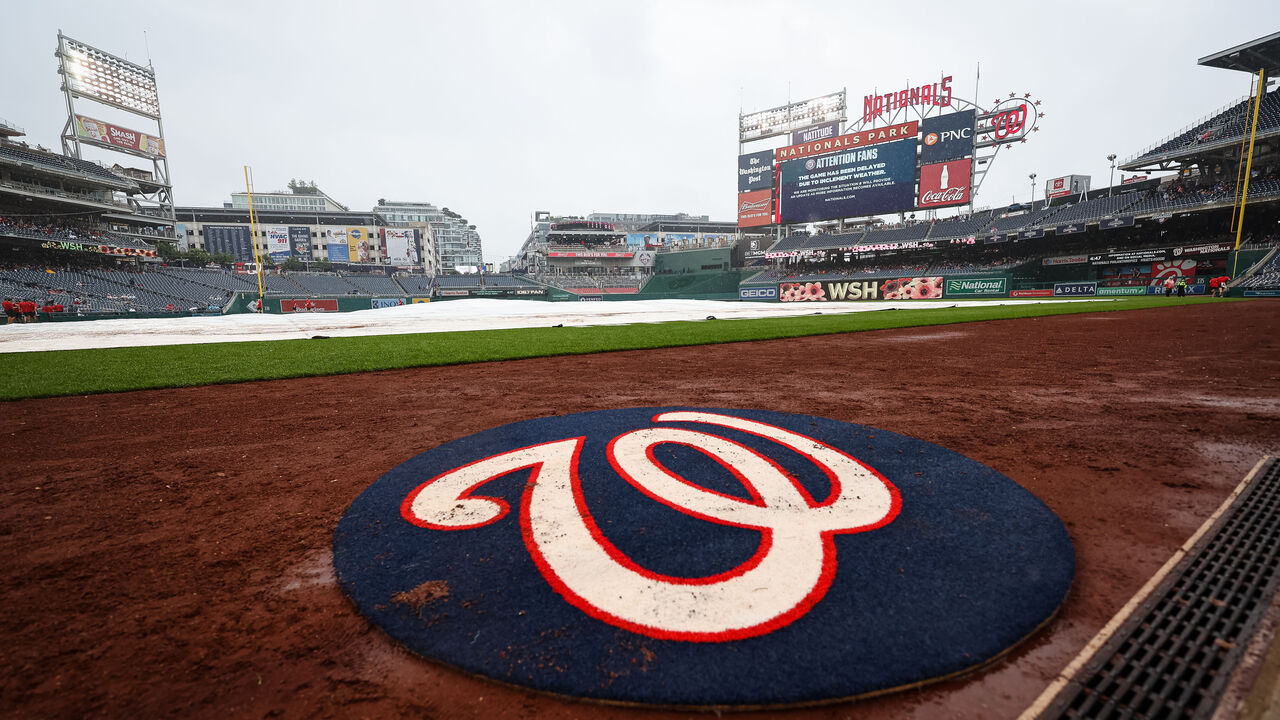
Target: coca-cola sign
945, 184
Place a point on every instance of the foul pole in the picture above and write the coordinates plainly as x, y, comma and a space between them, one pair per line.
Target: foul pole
253, 233
1248, 168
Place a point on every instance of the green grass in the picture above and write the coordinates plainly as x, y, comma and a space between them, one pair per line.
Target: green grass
81, 372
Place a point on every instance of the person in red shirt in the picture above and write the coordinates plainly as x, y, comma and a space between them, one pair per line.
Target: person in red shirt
57, 307
28, 309
10, 311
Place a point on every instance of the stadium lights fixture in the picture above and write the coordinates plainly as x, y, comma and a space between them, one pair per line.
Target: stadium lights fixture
1033, 189
100, 76
1111, 184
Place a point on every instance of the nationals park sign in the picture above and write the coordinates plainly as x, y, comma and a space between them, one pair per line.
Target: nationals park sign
662, 555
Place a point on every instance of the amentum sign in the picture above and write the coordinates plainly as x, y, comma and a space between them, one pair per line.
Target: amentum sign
977, 286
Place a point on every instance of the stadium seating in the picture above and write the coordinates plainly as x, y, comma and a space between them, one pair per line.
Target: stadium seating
1266, 278
416, 284
1107, 206
59, 163
1226, 125
374, 284
960, 226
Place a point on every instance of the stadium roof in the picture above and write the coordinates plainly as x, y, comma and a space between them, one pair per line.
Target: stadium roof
1263, 53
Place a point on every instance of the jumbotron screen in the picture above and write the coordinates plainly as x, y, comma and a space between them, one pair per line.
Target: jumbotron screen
871, 180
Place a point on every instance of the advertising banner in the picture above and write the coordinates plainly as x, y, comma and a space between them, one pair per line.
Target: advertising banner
1068, 185
755, 208
851, 141
1066, 260
868, 181
947, 137
758, 293
358, 244
277, 242
300, 242
1131, 256
679, 239
755, 171
232, 239
1046, 292
1208, 249
1030, 234
815, 133
920, 288
977, 287
97, 131
1173, 269
336, 240
399, 246
945, 184
641, 239
377, 303
589, 254
1069, 229
1123, 221
1130, 290
180, 235
1159, 290
308, 305
1079, 289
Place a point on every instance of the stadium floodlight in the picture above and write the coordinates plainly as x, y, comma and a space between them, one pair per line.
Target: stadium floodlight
1033, 189
1112, 182
795, 116
100, 76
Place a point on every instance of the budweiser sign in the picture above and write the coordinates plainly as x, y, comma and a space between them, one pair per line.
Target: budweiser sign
945, 184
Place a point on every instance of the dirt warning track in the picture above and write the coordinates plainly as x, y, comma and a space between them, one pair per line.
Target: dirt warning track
167, 553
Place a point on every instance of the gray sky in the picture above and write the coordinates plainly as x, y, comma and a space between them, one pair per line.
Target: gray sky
498, 109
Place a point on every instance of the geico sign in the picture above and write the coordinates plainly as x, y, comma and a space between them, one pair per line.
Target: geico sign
749, 293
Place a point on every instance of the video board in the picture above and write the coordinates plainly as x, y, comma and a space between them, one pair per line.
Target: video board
858, 182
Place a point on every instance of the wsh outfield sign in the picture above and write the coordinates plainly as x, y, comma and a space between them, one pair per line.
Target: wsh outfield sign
701, 557
988, 287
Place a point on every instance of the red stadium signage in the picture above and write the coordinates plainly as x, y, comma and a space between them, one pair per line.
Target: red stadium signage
99, 132
308, 305
934, 95
588, 254
945, 184
858, 139
755, 208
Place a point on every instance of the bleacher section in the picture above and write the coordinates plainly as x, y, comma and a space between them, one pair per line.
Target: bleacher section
416, 284
960, 227
1095, 209
374, 285
62, 164
1228, 125
1266, 278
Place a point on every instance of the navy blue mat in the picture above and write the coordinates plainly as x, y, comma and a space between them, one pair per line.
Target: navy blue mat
702, 559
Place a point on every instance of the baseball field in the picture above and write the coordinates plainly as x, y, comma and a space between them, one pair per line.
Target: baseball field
169, 512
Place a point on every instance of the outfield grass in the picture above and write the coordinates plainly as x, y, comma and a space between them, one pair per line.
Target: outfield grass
81, 372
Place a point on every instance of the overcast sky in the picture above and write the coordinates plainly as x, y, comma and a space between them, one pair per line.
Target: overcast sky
498, 109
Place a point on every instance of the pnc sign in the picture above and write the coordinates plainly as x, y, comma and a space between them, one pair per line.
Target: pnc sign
619, 554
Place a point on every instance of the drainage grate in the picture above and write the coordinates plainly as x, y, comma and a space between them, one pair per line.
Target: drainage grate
1175, 654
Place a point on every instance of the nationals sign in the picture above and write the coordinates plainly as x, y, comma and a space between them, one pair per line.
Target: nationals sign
685, 556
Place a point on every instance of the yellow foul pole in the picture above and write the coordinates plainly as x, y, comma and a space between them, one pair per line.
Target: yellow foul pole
1248, 168
1244, 141
253, 233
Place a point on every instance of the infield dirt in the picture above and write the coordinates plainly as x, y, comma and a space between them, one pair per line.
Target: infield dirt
166, 553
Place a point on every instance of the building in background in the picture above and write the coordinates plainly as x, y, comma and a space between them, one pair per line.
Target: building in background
455, 242
302, 197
